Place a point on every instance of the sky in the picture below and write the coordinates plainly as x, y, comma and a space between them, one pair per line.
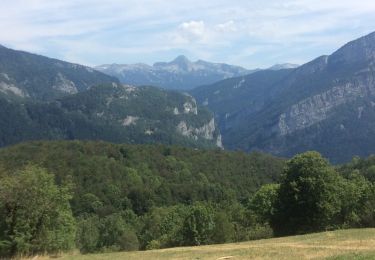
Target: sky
249, 33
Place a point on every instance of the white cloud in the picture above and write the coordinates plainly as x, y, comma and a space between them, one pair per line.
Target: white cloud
226, 27
250, 33
192, 30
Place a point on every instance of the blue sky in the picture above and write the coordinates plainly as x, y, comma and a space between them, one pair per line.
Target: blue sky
250, 33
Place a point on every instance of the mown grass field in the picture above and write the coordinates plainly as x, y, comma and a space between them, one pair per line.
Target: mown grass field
343, 244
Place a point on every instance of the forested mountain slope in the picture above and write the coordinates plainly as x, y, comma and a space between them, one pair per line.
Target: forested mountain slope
24, 74
113, 112
325, 105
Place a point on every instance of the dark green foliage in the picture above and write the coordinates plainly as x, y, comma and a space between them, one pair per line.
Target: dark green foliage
116, 234
357, 202
198, 225
162, 227
113, 232
88, 233
128, 241
360, 199
35, 214
130, 197
146, 176
146, 196
263, 202
309, 196
313, 196
223, 231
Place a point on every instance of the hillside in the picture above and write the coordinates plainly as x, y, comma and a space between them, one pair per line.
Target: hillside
180, 73
184, 172
342, 244
144, 197
49, 99
130, 197
325, 105
113, 112
24, 74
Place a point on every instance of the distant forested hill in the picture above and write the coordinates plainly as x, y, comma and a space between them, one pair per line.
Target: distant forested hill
111, 112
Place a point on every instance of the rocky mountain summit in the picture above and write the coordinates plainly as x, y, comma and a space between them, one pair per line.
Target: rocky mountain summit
181, 73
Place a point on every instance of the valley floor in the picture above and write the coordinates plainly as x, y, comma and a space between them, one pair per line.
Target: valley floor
342, 244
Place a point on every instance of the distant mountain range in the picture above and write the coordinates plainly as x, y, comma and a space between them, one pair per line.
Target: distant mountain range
180, 74
283, 66
43, 98
327, 105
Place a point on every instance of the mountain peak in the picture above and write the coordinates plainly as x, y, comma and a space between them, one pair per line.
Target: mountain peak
181, 60
179, 73
283, 66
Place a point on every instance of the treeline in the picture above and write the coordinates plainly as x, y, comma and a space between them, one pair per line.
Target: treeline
101, 197
128, 197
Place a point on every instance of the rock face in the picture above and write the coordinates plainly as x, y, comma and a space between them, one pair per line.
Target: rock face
325, 105
191, 107
24, 74
312, 110
64, 85
130, 120
206, 131
10, 89
178, 74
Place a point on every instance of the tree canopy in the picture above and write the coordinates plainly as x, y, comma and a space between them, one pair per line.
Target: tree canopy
35, 214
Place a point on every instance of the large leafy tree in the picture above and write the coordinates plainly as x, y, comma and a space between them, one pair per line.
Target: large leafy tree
35, 215
309, 196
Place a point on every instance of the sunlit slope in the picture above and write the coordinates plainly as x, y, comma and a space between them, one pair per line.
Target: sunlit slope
343, 244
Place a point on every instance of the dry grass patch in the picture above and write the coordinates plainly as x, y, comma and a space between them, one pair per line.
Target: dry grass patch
343, 244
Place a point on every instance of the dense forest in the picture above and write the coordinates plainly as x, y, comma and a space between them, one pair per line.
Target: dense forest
127, 197
101, 197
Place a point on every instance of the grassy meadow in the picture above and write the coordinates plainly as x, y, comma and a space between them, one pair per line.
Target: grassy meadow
342, 244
